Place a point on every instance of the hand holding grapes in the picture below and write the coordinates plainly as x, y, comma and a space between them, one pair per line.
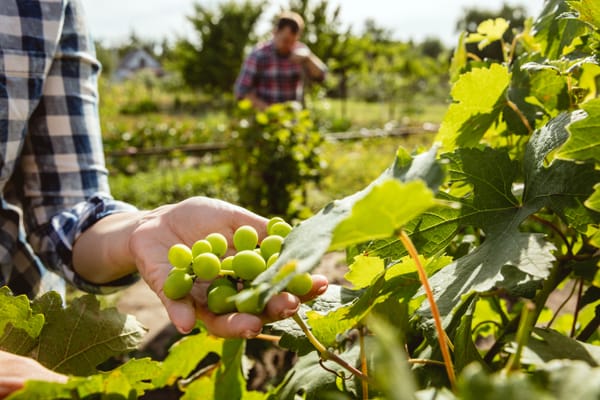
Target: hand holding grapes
185, 223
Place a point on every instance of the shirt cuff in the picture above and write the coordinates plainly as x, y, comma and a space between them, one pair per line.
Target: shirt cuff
56, 250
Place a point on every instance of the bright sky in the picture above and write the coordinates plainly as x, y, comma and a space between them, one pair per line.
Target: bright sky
112, 21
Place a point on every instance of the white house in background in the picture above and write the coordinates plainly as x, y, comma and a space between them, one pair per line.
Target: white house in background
135, 61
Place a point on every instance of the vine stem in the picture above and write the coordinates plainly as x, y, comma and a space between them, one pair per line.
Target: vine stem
363, 362
523, 333
441, 334
323, 352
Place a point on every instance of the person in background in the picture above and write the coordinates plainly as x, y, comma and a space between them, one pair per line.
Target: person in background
274, 71
58, 220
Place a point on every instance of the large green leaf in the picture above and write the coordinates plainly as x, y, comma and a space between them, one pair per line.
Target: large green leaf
588, 11
185, 355
510, 258
479, 96
546, 345
130, 380
584, 141
593, 202
555, 35
77, 338
15, 312
308, 242
382, 212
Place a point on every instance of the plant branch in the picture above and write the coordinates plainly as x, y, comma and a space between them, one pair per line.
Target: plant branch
269, 338
523, 332
522, 117
323, 352
363, 362
577, 306
441, 334
561, 306
555, 229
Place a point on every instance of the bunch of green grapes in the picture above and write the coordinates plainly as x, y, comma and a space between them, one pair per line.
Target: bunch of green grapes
206, 260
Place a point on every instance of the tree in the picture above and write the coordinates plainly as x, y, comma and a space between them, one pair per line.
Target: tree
223, 35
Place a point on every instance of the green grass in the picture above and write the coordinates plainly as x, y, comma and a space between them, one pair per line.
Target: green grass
361, 114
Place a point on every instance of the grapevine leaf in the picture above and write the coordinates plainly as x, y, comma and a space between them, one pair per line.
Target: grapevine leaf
465, 351
567, 379
488, 32
479, 96
379, 214
202, 388
588, 10
16, 312
563, 186
129, 380
309, 241
77, 338
555, 35
310, 378
593, 202
584, 141
185, 355
477, 384
399, 283
547, 344
509, 258
364, 270
392, 368
230, 382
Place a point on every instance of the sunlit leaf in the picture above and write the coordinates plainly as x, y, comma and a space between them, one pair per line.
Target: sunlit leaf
478, 96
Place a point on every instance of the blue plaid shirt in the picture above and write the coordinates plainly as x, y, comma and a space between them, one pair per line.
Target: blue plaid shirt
53, 178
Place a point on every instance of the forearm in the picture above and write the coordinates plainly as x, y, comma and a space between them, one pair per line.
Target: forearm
315, 67
101, 253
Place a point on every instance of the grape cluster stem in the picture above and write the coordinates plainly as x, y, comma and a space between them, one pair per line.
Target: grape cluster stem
326, 354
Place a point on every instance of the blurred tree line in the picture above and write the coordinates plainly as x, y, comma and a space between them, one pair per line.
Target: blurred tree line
368, 64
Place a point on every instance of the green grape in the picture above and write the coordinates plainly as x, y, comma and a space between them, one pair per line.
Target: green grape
207, 266
180, 256
218, 243
220, 281
220, 301
226, 263
300, 284
281, 228
247, 264
178, 284
272, 222
270, 245
245, 238
200, 247
248, 304
272, 259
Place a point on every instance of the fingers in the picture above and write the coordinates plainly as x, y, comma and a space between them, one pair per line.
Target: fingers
233, 325
319, 286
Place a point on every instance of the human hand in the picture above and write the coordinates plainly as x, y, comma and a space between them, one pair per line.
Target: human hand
16, 370
186, 222
300, 54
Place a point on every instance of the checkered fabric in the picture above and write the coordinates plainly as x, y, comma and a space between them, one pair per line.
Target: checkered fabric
53, 178
273, 78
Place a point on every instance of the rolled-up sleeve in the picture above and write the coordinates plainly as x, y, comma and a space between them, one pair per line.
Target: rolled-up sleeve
245, 81
65, 179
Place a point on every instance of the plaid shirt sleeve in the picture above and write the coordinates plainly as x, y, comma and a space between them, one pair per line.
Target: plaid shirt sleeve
245, 81
61, 179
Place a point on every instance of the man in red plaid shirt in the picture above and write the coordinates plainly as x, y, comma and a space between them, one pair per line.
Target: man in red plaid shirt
274, 71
